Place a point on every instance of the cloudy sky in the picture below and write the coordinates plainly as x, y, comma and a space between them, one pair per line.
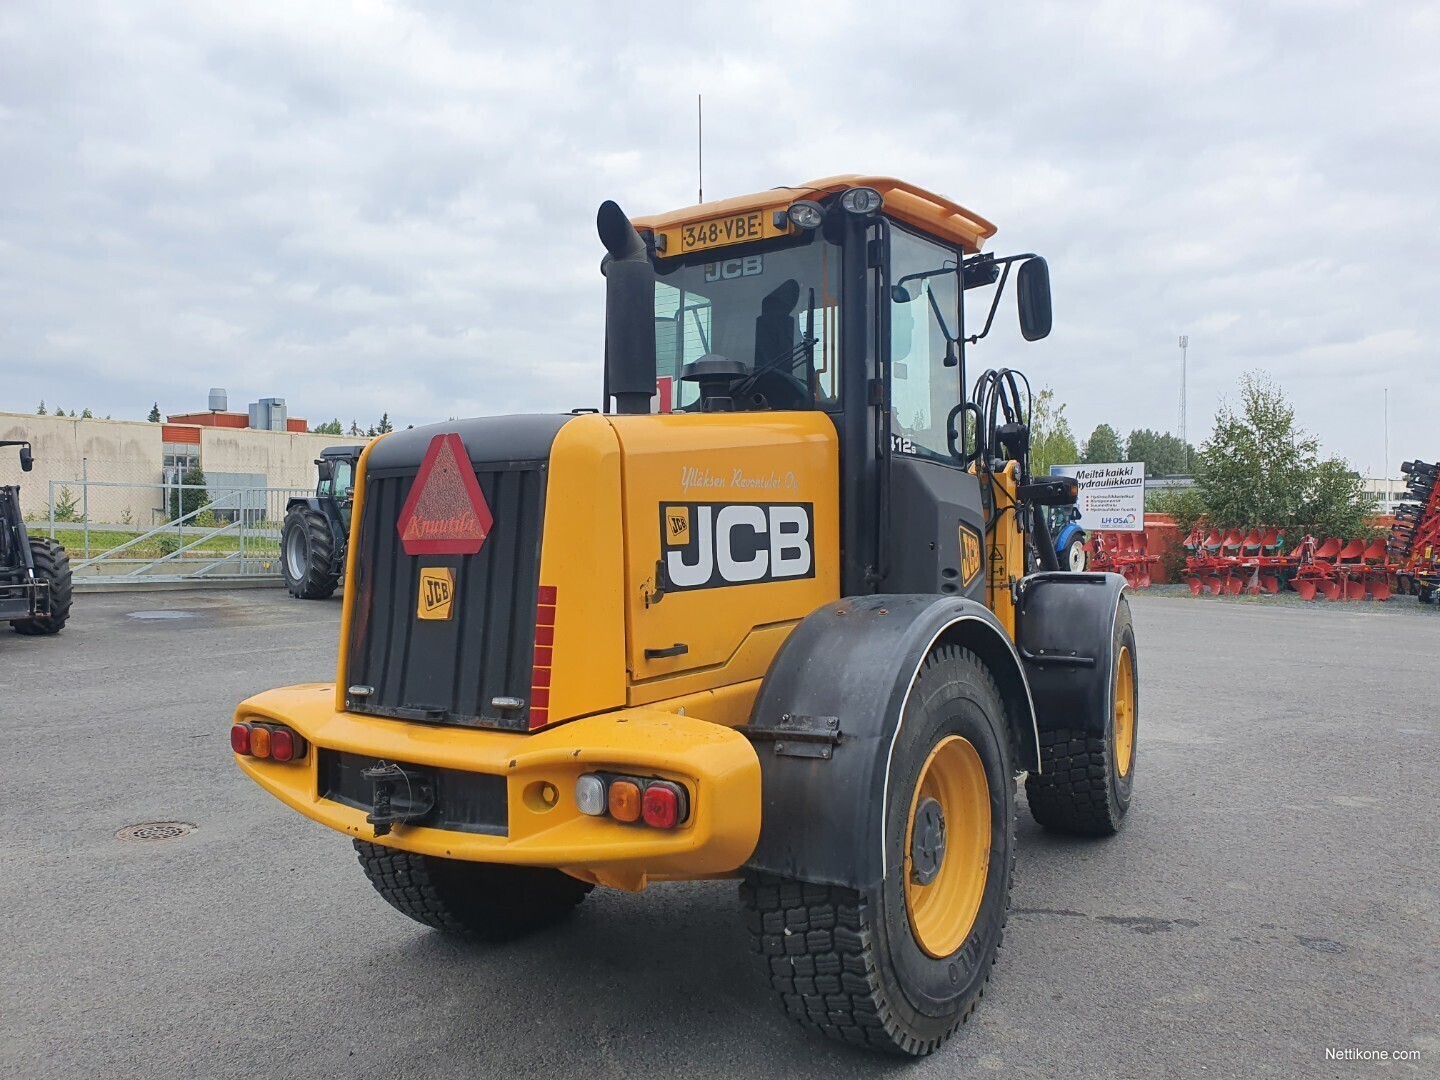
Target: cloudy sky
390, 206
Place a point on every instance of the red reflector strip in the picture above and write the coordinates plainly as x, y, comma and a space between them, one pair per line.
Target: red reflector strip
546, 597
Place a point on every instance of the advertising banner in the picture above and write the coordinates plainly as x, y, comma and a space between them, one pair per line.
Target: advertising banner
1112, 497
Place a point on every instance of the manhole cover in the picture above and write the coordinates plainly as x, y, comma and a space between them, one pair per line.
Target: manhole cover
155, 830
162, 614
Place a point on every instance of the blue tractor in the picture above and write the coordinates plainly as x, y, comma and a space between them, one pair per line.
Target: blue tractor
1068, 537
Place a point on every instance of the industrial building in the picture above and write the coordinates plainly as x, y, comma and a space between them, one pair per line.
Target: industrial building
129, 465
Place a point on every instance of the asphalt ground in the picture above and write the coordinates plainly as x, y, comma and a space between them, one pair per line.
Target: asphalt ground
1274, 895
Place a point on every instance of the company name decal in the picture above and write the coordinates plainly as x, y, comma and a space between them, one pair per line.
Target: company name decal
712, 545
706, 479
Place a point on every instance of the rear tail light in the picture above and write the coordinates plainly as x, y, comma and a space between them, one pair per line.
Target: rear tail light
286, 745
624, 800
660, 804
273, 741
590, 795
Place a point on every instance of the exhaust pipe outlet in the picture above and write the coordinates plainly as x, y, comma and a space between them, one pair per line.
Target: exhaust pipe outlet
629, 312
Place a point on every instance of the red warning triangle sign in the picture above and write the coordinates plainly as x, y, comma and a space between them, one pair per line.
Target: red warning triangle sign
446, 513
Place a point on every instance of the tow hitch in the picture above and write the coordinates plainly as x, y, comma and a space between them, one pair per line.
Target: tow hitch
397, 796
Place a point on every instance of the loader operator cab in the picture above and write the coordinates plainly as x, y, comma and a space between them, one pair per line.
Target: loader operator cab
850, 297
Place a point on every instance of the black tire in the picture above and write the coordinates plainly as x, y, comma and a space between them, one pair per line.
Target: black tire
307, 555
1073, 558
1081, 789
847, 961
52, 565
474, 901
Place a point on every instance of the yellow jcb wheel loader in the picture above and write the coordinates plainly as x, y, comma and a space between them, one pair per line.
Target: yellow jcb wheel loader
785, 610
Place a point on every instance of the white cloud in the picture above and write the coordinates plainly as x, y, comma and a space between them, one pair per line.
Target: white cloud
390, 207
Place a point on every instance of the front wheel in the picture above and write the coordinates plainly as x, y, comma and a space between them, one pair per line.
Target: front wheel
52, 566
1073, 557
1087, 778
899, 966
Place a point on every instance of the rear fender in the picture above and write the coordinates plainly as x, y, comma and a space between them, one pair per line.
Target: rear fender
1065, 629
840, 682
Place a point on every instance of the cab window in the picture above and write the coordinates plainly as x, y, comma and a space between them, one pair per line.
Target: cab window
923, 306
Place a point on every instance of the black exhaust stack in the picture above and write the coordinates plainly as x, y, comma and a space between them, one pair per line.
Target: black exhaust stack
629, 312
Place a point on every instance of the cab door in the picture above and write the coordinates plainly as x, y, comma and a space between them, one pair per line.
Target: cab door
936, 517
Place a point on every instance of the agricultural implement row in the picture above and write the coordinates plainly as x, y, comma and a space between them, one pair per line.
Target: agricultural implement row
1236, 562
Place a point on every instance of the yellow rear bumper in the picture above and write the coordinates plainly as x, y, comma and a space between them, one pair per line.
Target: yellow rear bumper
716, 764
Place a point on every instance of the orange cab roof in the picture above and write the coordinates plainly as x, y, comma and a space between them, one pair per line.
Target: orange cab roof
915, 206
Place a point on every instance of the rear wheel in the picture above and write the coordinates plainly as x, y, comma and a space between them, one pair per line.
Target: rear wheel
307, 555
476, 901
1087, 779
900, 966
52, 566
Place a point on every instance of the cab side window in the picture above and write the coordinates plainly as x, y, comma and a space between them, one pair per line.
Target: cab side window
924, 305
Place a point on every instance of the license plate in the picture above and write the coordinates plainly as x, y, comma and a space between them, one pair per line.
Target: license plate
723, 231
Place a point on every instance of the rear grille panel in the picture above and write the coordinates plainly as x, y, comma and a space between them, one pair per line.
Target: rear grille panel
449, 671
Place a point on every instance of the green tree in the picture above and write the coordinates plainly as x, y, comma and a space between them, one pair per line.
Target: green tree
1051, 441
154, 416
86, 414
59, 411
191, 496
334, 427
384, 426
41, 411
355, 428
1258, 468
1163, 455
1103, 446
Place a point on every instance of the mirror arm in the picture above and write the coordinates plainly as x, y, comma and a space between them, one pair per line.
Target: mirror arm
1006, 262
994, 304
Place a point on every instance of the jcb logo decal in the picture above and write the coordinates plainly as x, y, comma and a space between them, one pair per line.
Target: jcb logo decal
711, 545
969, 555
677, 526
437, 593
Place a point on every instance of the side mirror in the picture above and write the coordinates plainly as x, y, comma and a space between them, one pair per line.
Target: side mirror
1032, 297
27, 459
326, 469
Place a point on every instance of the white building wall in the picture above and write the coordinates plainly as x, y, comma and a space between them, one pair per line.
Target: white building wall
131, 453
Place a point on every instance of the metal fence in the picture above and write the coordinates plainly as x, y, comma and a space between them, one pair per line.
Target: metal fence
189, 532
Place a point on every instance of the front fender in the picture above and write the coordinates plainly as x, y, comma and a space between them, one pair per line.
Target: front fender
1065, 629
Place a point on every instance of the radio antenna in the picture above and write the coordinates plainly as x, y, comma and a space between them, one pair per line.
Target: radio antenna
700, 144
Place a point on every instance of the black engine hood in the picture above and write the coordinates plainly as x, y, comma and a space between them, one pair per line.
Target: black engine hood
493, 440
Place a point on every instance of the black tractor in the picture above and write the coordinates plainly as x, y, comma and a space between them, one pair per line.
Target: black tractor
35, 586
312, 542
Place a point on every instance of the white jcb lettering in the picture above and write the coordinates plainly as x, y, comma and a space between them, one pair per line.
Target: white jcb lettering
737, 543
731, 568
789, 541
690, 575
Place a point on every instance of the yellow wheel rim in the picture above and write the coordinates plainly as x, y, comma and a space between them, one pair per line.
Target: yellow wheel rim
943, 900
1124, 712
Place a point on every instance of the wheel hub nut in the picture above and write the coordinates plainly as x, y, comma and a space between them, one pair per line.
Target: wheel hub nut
927, 843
